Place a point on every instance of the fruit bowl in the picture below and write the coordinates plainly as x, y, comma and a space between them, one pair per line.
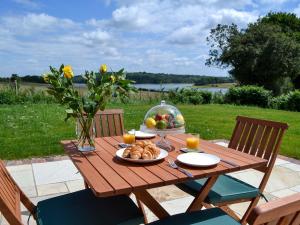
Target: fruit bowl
163, 119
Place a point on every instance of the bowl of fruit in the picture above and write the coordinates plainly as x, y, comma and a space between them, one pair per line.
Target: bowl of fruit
163, 119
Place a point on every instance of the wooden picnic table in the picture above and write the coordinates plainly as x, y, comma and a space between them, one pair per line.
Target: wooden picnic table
107, 175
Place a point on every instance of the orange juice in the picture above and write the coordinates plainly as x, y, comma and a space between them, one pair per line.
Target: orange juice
129, 138
192, 142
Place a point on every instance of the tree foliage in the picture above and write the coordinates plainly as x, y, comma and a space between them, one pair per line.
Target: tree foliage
266, 53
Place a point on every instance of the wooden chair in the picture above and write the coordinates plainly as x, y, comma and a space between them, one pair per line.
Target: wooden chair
109, 123
257, 137
285, 211
76, 208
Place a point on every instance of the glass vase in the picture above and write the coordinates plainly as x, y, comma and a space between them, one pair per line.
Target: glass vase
85, 131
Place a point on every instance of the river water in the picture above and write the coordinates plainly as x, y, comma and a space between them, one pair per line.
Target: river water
167, 87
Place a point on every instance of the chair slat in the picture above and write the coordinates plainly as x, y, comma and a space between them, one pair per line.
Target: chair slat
257, 140
250, 138
263, 143
236, 134
296, 220
104, 125
270, 146
9, 197
109, 123
117, 121
97, 125
244, 137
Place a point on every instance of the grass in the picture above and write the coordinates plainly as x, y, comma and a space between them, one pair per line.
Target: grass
35, 130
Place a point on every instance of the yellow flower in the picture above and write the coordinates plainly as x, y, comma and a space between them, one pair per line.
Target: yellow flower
68, 72
46, 77
103, 68
112, 78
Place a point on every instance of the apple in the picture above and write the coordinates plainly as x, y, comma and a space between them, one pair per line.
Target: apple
158, 117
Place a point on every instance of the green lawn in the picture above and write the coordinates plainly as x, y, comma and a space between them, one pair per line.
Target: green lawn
35, 130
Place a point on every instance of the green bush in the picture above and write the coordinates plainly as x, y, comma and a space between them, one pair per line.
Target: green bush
290, 101
218, 98
190, 96
9, 96
248, 95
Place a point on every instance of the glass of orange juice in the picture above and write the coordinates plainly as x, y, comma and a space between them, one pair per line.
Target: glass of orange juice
129, 138
193, 142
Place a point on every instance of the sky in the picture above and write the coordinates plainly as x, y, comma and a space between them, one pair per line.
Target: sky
166, 36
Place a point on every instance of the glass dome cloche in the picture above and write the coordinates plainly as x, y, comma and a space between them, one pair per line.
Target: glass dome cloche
163, 119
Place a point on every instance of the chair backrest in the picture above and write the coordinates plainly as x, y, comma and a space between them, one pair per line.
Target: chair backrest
9, 197
109, 123
261, 138
284, 211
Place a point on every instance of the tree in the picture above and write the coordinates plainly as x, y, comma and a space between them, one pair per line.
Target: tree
263, 54
290, 25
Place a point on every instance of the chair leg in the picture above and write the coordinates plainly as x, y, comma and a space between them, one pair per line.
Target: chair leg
86, 185
207, 206
230, 212
248, 211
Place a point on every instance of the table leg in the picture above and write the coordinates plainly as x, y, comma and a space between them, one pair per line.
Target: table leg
199, 199
151, 203
142, 208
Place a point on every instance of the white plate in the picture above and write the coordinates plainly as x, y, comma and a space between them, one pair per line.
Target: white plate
142, 135
198, 159
163, 154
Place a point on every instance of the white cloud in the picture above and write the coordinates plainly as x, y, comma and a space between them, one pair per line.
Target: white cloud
140, 35
32, 23
97, 36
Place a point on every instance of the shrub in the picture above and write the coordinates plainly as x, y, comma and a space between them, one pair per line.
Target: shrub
218, 98
290, 101
248, 95
9, 96
206, 95
190, 96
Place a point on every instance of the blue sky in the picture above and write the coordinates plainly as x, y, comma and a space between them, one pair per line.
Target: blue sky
140, 35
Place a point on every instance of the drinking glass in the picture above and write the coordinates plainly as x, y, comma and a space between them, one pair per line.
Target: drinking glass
193, 142
129, 138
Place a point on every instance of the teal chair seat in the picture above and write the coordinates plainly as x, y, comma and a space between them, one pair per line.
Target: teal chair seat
83, 208
214, 216
225, 189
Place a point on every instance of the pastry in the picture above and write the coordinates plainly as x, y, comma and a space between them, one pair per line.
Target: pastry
142, 150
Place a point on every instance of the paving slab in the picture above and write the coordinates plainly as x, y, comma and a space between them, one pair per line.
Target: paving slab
55, 172
292, 166
49, 189
296, 188
282, 178
279, 162
23, 175
167, 193
75, 185
283, 193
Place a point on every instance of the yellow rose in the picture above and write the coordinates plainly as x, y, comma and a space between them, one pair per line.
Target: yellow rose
46, 78
112, 78
103, 68
68, 72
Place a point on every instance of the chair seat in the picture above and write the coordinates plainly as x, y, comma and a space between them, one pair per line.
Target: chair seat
214, 216
83, 208
225, 189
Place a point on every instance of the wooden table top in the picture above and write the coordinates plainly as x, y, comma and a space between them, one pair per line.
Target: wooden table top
107, 175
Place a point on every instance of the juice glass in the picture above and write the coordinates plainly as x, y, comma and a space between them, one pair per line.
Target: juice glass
128, 138
193, 142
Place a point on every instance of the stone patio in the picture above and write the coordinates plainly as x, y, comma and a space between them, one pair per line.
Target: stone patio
42, 180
